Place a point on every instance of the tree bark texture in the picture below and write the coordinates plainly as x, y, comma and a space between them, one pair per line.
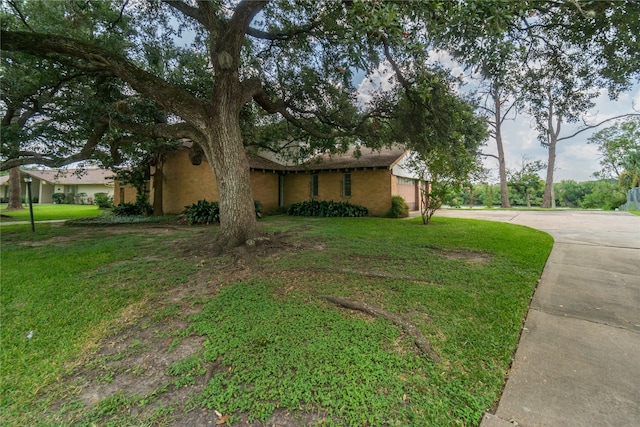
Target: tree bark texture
158, 181
548, 185
504, 189
15, 196
225, 151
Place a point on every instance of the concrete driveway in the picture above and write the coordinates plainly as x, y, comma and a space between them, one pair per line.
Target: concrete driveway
578, 360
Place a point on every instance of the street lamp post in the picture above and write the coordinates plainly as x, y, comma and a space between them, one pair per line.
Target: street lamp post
27, 179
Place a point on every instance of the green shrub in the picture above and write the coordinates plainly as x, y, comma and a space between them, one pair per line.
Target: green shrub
103, 200
280, 210
204, 212
258, 207
81, 199
132, 209
58, 198
327, 209
399, 208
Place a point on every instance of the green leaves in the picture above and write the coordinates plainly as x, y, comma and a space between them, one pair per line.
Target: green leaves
619, 146
326, 208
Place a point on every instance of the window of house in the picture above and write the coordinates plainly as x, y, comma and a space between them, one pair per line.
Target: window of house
314, 185
346, 185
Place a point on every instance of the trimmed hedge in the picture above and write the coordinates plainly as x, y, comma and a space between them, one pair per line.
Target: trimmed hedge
327, 209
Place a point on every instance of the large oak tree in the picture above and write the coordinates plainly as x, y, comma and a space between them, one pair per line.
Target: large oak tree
230, 72
288, 64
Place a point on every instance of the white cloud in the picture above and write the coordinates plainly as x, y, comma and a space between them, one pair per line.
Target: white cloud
380, 80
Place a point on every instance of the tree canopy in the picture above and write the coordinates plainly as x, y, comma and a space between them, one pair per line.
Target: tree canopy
619, 148
259, 72
226, 74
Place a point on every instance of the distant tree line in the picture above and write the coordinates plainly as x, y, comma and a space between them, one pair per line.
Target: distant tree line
601, 194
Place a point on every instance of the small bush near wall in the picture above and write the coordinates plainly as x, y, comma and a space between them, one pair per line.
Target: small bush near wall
399, 208
258, 207
204, 212
58, 198
103, 200
132, 209
81, 199
327, 209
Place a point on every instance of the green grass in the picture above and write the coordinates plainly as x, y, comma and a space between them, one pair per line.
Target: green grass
46, 212
62, 290
465, 284
299, 351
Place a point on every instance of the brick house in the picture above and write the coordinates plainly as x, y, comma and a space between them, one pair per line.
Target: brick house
370, 179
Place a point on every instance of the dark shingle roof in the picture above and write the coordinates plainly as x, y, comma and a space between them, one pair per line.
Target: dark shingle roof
366, 158
260, 163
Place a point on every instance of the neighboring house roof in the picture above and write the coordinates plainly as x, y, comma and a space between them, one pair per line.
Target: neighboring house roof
73, 176
4, 179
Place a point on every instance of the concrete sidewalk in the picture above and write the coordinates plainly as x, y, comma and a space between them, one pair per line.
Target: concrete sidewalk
578, 360
47, 221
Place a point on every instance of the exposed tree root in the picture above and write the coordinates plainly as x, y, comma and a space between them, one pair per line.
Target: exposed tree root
421, 341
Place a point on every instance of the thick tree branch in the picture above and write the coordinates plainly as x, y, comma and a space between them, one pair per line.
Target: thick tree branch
30, 157
282, 35
169, 97
185, 9
596, 125
161, 130
238, 25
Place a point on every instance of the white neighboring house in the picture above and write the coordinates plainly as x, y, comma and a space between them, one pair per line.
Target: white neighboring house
82, 184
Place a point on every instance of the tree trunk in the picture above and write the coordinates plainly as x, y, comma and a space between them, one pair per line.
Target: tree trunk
15, 196
504, 190
158, 179
548, 185
228, 159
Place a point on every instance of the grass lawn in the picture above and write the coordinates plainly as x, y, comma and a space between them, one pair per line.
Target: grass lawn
270, 341
45, 212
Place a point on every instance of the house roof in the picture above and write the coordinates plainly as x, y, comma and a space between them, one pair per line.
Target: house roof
73, 176
364, 158
260, 163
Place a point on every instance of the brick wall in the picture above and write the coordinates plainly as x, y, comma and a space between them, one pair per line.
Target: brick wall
185, 184
297, 188
123, 193
264, 186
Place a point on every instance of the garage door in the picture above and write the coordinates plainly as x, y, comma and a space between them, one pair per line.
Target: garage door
407, 189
